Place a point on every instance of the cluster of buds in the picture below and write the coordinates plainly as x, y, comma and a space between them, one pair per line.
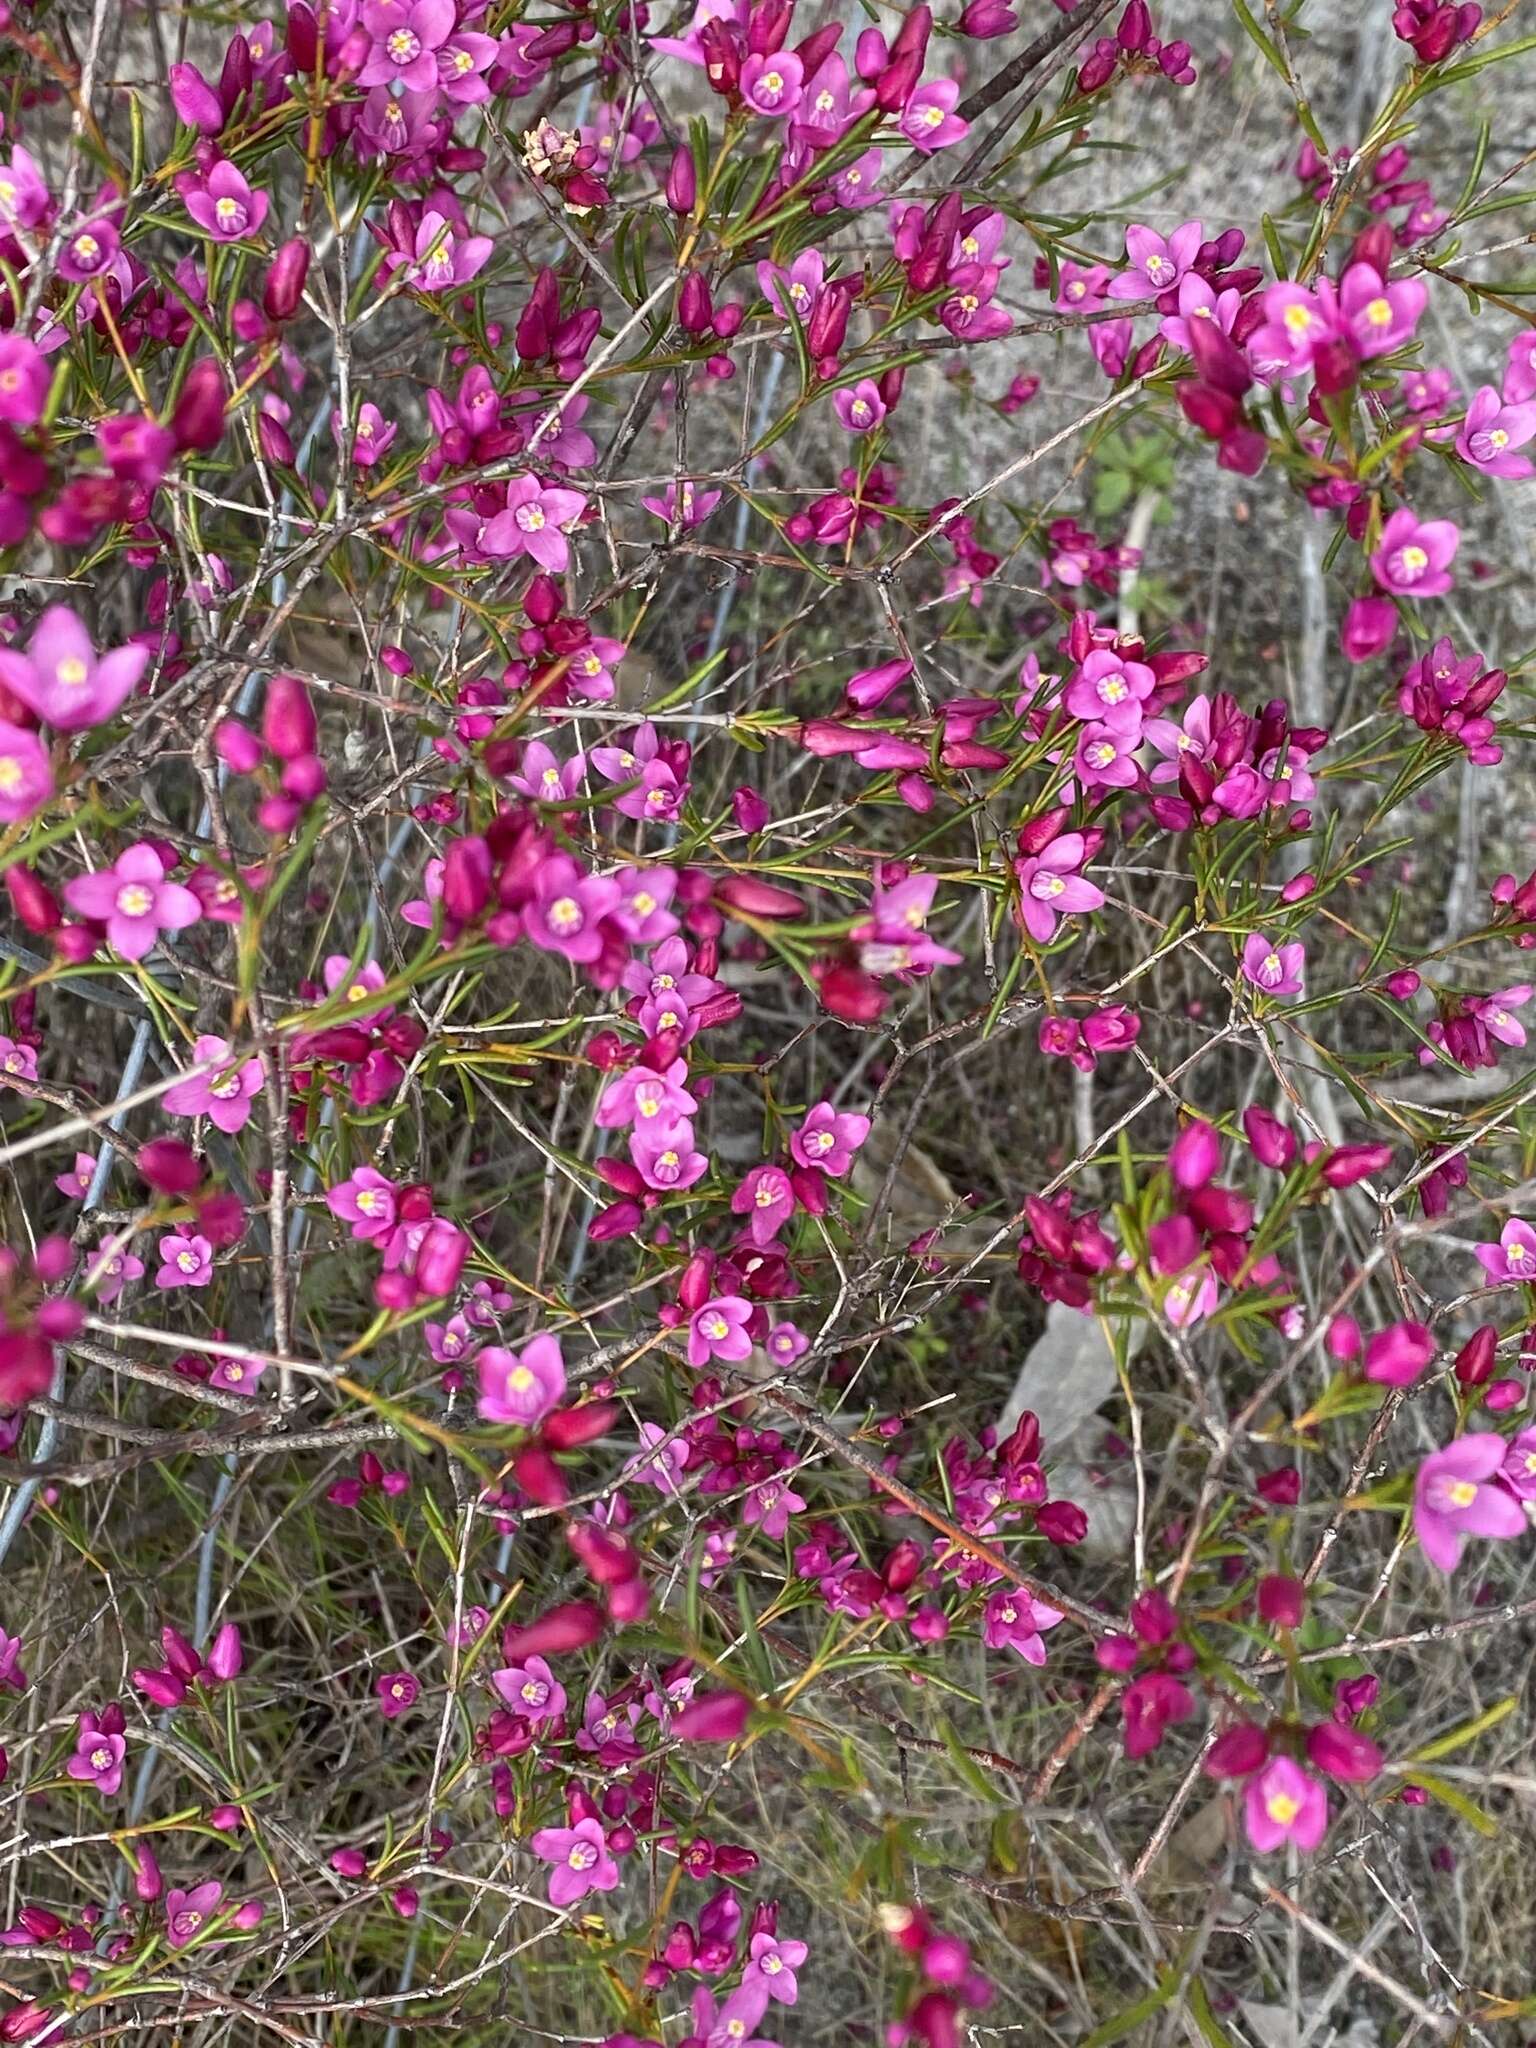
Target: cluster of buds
1433, 28
948, 1983
1131, 49
31, 1320
1444, 695
168, 1685
290, 738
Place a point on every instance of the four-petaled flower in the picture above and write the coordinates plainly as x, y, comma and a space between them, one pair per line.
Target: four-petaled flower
521, 1387
1457, 1495
133, 899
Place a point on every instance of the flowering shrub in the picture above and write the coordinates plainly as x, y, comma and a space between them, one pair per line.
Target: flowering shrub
590, 959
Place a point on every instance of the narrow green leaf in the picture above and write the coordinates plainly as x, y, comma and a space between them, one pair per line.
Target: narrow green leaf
1458, 1738
1457, 1800
966, 1767
1135, 2015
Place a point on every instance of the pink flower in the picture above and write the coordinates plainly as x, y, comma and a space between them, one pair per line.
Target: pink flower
1016, 1622
1296, 323
1414, 557
61, 678
566, 911
187, 1913
774, 1963
769, 1507
98, 1757
19, 1061
1283, 1803
406, 42
1106, 756
26, 776
24, 381
1197, 301
366, 1201
134, 900
521, 1387
224, 1095
681, 504
799, 287
581, 1859
661, 1470
1492, 430
12, 1677
76, 1184
225, 205
439, 260
184, 1261
859, 406
1520, 368
1518, 1470
237, 1375
111, 1271
1512, 1261
929, 121
1051, 888
534, 522
1456, 1496
772, 85
1396, 1356
1380, 317
1156, 266
531, 1689
24, 197
1191, 1297
785, 1343
828, 1138
1110, 689
1276, 970
767, 1201
666, 1155
397, 1691
719, 1330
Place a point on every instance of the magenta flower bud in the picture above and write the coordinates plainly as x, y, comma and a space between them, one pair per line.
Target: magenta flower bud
897, 82
768, 26
169, 1167
1375, 246
695, 1284
406, 1900
1504, 1394
682, 188
1368, 628
227, 1819
33, 901
1098, 67
1220, 362
1194, 1158
1395, 1357
868, 690
163, 1688
237, 746
195, 101
1348, 1164
147, 1881
870, 55
694, 308
1282, 1601
1335, 364
288, 718
619, 1219
248, 1914
1117, 1653
1268, 1139
304, 778
713, 1717
984, 19
1298, 888
749, 810
226, 1658
1343, 1752
395, 1291
1239, 1752
349, 1862
276, 441
198, 421
752, 897
283, 291
1343, 1339
1476, 1359
829, 322
440, 1258
1135, 26
1061, 1522
467, 878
